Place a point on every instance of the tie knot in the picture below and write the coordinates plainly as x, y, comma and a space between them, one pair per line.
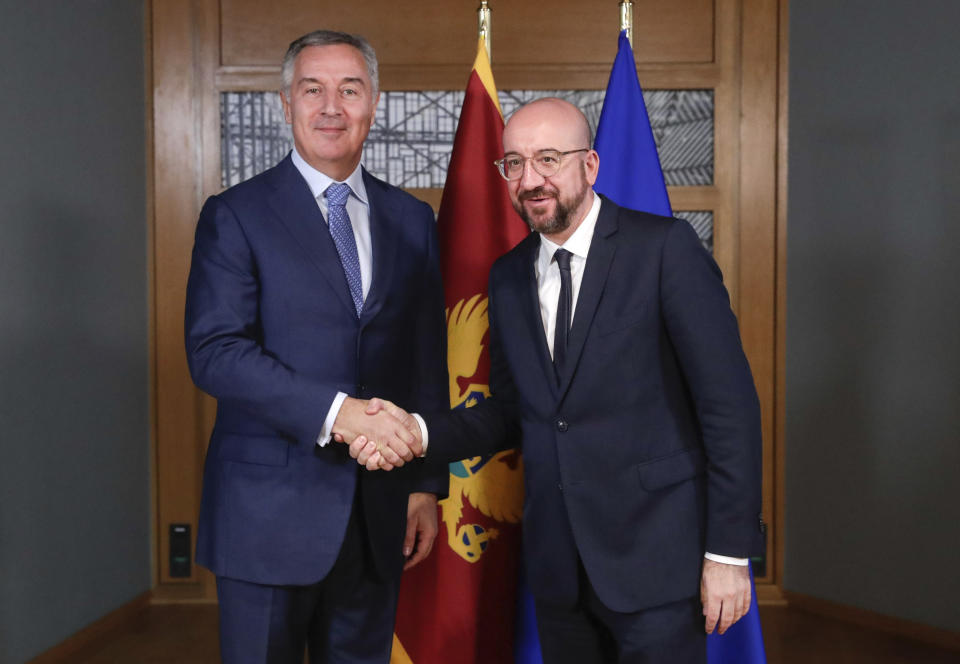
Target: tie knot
562, 256
337, 193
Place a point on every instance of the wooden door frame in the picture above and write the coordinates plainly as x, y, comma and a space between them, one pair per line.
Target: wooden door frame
748, 199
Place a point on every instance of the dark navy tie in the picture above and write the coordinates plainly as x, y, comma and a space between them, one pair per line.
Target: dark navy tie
564, 309
342, 232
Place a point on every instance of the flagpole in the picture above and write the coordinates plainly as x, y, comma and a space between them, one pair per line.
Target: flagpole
483, 26
626, 19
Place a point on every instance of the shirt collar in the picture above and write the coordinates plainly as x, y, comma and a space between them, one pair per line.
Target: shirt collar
318, 182
578, 243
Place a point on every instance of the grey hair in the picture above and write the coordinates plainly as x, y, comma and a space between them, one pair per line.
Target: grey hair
329, 38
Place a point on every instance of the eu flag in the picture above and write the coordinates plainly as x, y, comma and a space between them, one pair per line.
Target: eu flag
630, 173
630, 176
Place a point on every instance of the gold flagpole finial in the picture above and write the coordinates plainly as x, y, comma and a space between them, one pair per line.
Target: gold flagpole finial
626, 19
483, 20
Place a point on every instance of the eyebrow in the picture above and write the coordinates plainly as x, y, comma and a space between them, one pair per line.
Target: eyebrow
541, 150
349, 79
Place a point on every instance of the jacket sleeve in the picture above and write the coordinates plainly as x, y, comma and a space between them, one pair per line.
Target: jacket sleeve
224, 352
703, 331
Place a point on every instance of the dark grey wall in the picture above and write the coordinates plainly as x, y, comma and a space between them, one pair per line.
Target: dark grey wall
873, 307
74, 481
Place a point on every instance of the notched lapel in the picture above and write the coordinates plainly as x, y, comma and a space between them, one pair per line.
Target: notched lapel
384, 227
525, 275
299, 213
602, 250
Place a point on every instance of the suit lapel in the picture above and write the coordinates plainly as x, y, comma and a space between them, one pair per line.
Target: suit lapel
384, 226
299, 213
599, 260
529, 297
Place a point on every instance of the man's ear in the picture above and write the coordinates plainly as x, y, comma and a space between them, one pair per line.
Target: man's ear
373, 113
591, 165
286, 107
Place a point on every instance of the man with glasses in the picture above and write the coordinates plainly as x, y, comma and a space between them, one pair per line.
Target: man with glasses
616, 365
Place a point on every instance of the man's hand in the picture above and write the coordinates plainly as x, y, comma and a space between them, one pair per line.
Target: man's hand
376, 405
393, 440
422, 528
367, 455
373, 456
724, 593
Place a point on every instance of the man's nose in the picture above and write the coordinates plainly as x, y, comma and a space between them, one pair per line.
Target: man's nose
330, 104
529, 178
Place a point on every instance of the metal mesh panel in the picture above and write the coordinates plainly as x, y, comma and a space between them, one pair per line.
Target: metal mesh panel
412, 137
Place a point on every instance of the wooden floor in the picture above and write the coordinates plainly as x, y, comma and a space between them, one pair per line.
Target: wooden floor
187, 634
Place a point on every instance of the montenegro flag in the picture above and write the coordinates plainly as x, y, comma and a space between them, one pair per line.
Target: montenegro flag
458, 604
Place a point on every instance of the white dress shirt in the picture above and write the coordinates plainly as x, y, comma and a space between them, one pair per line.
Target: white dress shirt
358, 209
548, 272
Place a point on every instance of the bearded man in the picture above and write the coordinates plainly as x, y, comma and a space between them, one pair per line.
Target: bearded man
617, 366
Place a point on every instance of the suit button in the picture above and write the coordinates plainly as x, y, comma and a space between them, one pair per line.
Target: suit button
361, 389
562, 425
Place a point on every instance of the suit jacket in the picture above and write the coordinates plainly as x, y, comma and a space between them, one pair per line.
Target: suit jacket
272, 333
647, 454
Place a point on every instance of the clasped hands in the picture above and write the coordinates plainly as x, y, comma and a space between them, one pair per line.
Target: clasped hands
381, 435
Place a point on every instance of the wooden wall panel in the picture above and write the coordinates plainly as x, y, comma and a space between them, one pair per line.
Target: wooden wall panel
758, 230
432, 32
182, 78
726, 151
778, 476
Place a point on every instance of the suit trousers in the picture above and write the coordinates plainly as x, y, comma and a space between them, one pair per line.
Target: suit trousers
346, 617
590, 633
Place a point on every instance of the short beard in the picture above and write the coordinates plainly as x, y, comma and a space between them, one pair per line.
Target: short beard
559, 222
563, 215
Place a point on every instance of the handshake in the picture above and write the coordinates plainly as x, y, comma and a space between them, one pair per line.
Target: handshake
381, 435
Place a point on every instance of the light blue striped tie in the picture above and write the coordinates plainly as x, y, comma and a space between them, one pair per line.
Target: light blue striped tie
342, 233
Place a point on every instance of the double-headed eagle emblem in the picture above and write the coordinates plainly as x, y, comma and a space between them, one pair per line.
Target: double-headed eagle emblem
492, 484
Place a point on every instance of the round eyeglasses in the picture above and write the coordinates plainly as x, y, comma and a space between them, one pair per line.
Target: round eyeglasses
545, 162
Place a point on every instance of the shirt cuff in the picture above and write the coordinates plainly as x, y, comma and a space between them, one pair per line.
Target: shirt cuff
726, 560
423, 433
327, 429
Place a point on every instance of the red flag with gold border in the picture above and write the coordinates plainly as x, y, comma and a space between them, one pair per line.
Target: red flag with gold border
458, 605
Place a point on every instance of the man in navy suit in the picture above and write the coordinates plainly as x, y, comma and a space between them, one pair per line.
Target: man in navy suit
313, 286
616, 364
